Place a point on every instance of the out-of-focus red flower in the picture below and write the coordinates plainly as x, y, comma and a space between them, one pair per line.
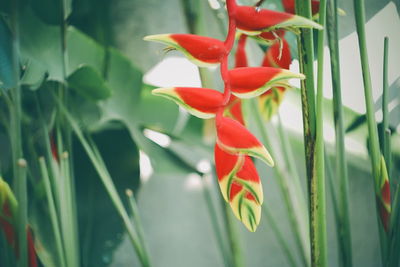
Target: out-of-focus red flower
200, 102
201, 50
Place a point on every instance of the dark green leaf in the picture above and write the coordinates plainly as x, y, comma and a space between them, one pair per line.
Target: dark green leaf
89, 83
49, 11
7, 77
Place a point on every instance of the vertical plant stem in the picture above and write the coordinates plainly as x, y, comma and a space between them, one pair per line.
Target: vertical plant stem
279, 236
345, 248
52, 211
216, 227
291, 165
295, 218
305, 46
318, 200
108, 183
385, 131
138, 224
19, 163
236, 252
359, 10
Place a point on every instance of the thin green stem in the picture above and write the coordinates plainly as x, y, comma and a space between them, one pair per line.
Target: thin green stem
108, 183
215, 225
138, 224
279, 236
385, 146
359, 11
297, 222
19, 163
319, 253
343, 220
52, 211
236, 252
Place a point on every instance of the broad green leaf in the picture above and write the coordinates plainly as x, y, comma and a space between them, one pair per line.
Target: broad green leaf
101, 228
49, 11
88, 82
7, 77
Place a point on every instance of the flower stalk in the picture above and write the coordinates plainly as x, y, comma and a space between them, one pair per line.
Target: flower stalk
343, 212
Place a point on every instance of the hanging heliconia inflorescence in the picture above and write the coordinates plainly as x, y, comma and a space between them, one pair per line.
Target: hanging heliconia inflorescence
237, 176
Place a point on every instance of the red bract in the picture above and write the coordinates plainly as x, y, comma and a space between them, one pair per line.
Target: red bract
290, 6
8, 210
253, 21
240, 56
234, 138
201, 102
234, 109
240, 185
201, 50
254, 81
278, 55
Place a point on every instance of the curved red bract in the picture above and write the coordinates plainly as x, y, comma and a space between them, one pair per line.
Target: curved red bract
250, 19
203, 48
224, 162
250, 78
202, 99
233, 134
271, 58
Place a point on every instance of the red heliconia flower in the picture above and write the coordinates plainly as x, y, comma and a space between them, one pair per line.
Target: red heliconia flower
278, 55
254, 21
240, 56
234, 138
270, 101
234, 109
201, 50
271, 36
290, 6
384, 203
8, 209
254, 81
200, 102
240, 186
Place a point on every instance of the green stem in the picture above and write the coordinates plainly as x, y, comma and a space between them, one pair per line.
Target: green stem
343, 220
359, 11
385, 146
305, 44
216, 227
138, 224
319, 253
19, 163
52, 211
236, 252
279, 236
297, 222
108, 183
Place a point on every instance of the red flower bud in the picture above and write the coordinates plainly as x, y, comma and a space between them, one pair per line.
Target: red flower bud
254, 81
200, 102
234, 138
240, 185
278, 55
201, 50
254, 21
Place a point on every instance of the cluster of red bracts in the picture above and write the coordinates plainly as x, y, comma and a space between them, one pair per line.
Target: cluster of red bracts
8, 209
238, 178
